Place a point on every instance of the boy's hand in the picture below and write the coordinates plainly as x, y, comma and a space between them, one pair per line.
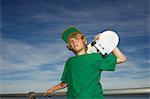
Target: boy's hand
48, 92
120, 56
96, 37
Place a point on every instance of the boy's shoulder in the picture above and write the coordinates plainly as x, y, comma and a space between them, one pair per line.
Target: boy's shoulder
70, 58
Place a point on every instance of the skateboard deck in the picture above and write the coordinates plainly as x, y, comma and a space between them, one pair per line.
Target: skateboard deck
107, 42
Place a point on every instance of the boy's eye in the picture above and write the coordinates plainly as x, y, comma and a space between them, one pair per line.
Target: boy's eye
77, 38
70, 41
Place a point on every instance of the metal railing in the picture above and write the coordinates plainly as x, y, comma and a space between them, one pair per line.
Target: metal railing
107, 92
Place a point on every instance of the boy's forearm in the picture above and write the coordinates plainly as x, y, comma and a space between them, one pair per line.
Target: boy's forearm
58, 87
120, 56
55, 88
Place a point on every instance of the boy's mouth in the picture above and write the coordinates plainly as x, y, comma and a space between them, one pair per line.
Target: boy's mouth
75, 46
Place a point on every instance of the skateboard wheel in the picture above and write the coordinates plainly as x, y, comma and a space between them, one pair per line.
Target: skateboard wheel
105, 55
93, 43
97, 49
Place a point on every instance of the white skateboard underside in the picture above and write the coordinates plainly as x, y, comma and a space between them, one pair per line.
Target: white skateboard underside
106, 43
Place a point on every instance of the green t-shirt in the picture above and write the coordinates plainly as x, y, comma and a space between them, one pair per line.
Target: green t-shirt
82, 75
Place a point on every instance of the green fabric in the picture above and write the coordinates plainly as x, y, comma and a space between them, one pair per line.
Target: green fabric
67, 32
82, 75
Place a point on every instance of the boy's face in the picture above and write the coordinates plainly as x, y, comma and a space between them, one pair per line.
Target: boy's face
77, 43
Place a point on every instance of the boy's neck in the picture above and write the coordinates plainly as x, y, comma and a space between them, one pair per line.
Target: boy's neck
81, 52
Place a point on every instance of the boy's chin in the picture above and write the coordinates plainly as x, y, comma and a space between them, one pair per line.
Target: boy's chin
77, 50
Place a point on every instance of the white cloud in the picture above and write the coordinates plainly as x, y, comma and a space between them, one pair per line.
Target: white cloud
120, 82
20, 59
21, 56
133, 49
98, 20
25, 86
127, 75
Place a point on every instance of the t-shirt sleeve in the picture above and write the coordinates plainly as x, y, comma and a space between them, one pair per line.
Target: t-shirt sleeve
108, 63
64, 77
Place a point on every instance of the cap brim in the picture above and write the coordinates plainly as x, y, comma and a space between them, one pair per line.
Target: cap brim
67, 33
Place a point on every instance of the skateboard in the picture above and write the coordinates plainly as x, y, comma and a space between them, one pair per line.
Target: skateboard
107, 42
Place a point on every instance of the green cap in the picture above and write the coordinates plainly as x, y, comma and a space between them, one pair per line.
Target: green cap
67, 32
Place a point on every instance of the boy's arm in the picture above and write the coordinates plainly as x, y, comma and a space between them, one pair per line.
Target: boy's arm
120, 56
55, 88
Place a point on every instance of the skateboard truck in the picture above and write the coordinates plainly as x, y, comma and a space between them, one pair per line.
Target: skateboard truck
93, 43
99, 48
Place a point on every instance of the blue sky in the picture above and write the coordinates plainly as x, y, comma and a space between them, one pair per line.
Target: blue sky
33, 53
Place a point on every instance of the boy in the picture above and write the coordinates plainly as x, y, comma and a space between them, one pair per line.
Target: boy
82, 72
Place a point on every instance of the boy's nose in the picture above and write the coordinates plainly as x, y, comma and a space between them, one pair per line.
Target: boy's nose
73, 42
